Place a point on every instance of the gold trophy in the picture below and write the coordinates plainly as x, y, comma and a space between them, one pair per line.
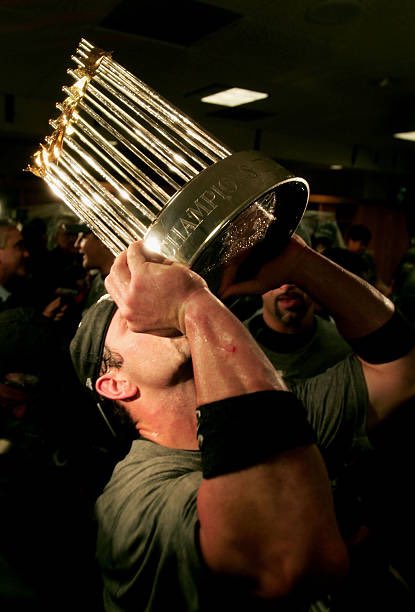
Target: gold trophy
131, 165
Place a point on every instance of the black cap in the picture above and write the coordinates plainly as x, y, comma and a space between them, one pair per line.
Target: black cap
87, 348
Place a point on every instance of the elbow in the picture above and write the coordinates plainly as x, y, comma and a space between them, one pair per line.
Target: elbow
304, 578
289, 573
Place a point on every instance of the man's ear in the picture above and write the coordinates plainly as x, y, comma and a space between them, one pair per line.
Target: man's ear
116, 388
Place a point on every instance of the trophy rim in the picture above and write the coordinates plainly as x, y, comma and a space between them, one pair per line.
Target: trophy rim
221, 193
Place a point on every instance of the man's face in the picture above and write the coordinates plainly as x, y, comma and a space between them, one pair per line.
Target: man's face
94, 252
287, 303
356, 246
13, 256
65, 240
149, 361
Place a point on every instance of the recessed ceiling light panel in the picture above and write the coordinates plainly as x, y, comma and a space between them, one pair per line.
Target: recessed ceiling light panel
405, 135
235, 96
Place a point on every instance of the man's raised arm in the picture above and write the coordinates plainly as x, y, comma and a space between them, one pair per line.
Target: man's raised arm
381, 338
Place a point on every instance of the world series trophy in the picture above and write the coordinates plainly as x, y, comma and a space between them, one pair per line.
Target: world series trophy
132, 166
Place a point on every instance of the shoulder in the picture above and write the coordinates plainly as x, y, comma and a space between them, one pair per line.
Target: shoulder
147, 521
151, 478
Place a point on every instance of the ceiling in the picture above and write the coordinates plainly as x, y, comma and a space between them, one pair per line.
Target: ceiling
340, 73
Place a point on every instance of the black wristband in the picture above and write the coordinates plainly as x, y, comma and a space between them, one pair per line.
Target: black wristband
242, 431
391, 341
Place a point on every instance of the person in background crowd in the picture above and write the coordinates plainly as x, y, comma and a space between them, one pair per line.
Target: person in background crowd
66, 277
325, 236
358, 238
18, 290
287, 325
97, 259
13, 258
298, 341
197, 515
64, 262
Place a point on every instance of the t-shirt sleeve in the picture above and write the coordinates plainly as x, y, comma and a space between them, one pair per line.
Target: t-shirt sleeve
336, 402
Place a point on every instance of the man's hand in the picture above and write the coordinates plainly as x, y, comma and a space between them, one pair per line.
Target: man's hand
55, 310
151, 291
271, 273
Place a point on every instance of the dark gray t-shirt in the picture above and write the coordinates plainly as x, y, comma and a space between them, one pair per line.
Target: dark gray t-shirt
336, 402
300, 356
147, 538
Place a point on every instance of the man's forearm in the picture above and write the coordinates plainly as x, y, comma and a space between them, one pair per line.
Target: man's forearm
226, 359
357, 307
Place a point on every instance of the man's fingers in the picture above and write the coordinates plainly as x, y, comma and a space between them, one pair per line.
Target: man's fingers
120, 268
135, 253
154, 256
118, 279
